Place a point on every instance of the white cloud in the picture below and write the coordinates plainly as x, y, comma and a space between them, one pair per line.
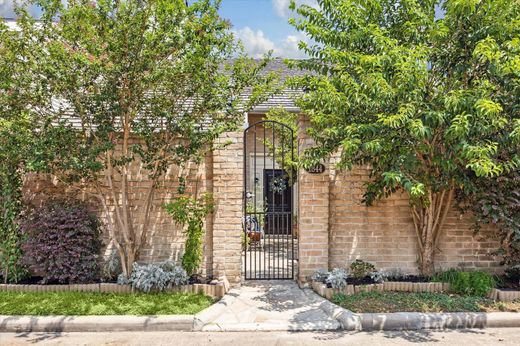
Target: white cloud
289, 47
281, 7
256, 44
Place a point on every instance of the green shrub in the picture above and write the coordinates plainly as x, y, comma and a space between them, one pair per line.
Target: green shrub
337, 278
445, 276
111, 266
461, 283
320, 275
359, 269
191, 211
475, 283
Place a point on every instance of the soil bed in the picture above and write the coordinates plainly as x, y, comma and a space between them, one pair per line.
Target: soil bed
384, 302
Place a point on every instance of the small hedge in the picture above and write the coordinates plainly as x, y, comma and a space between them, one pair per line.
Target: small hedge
62, 242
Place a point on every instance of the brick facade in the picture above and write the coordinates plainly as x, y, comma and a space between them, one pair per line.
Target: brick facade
335, 228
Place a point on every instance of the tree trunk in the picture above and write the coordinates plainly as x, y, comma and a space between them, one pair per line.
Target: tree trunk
429, 220
427, 265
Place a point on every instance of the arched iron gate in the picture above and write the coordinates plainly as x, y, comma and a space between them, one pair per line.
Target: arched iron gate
268, 240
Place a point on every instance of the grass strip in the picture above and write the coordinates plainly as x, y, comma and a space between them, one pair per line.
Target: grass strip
87, 303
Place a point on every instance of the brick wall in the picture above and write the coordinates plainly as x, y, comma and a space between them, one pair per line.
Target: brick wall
384, 233
165, 238
313, 214
228, 193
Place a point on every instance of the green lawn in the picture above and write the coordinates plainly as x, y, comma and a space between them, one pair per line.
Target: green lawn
380, 302
83, 303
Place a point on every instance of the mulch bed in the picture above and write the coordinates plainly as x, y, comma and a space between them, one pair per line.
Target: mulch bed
37, 280
368, 281
507, 284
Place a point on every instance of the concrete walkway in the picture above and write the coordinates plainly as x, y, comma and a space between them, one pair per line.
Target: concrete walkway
273, 305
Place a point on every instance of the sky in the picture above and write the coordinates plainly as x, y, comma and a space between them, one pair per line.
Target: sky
261, 25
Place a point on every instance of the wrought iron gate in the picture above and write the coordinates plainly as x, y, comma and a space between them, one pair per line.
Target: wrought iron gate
268, 241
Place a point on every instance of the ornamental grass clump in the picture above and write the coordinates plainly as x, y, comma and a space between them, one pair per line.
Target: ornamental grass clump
61, 240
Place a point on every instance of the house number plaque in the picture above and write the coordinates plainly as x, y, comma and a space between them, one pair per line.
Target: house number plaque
317, 169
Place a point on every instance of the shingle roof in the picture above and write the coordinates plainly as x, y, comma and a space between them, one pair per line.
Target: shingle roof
286, 98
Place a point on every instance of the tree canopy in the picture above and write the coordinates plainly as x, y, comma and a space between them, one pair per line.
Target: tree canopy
119, 82
428, 102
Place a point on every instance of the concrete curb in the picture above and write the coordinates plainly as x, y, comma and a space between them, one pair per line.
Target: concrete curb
417, 320
456, 320
18, 324
347, 319
208, 315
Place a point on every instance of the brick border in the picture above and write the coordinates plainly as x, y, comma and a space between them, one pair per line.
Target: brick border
401, 286
214, 291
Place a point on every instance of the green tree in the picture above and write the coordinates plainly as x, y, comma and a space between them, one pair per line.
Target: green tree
149, 81
17, 94
421, 99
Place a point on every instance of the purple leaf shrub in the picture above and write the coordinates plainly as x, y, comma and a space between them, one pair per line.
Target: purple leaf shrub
62, 242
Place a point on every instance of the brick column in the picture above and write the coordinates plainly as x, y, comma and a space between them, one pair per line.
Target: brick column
313, 213
227, 193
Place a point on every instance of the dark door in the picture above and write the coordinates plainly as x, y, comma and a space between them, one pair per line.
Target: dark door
278, 195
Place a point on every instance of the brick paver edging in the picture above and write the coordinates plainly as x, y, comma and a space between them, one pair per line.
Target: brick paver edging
215, 291
432, 287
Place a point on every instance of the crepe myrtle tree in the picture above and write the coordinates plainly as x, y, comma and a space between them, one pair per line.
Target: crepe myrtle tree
153, 82
419, 98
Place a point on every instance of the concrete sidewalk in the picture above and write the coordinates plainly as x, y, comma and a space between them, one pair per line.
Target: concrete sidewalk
272, 305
